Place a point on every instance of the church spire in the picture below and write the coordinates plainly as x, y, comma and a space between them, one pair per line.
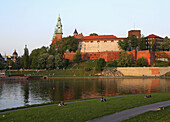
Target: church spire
59, 26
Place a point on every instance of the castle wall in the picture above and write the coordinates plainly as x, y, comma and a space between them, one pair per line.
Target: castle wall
113, 55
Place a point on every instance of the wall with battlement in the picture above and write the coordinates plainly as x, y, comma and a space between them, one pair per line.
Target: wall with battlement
112, 55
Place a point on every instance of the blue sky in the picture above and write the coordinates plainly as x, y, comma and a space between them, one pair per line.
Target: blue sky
32, 22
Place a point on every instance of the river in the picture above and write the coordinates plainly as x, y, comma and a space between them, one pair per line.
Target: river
20, 93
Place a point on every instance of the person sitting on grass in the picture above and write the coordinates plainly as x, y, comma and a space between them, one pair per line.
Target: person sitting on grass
102, 100
61, 104
148, 96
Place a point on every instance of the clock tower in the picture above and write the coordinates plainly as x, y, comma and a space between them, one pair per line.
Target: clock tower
57, 32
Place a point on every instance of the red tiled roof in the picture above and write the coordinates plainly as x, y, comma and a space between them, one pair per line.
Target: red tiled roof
79, 36
99, 37
153, 36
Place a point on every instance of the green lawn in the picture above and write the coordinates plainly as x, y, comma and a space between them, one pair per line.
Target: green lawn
82, 111
152, 116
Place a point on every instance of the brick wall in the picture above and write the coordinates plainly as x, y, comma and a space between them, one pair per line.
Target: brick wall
113, 55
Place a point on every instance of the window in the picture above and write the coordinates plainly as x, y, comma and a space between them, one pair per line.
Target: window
91, 41
111, 40
105, 41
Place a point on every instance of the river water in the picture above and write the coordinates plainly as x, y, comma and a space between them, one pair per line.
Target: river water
20, 93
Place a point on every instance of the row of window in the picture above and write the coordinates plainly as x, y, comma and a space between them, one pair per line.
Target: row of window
99, 41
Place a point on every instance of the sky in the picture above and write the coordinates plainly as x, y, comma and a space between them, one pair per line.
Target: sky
32, 22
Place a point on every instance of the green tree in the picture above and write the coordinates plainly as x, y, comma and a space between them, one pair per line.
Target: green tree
77, 57
142, 43
100, 63
93, 34
69, 43
11, 65
34, 63
165, 45
26, 57
52, 50
141, 62
50, 62
59, 61
66, 63
37, 52
42, 60
152, 45
1, 65
124, 45
124, 59
134, 44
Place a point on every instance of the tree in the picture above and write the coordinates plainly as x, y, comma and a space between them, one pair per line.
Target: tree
34, 63
69, 43
152, 45
26, 57
50, 62
59, 61
1, 65
165, 45
142, 43
124, 45
66, 63
52, 50
141, 62
11, 65
134, 44
93, 34
124, 59
77, 57
42, 60
100, 63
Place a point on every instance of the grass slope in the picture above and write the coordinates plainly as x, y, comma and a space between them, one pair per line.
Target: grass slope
82, 111
152, 116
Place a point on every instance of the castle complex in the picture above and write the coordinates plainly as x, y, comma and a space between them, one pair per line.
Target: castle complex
106, 46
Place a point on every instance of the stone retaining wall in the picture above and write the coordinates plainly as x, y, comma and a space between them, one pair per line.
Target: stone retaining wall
143, 71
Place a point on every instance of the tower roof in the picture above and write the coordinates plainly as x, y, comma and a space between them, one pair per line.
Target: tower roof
75, 32
15, 52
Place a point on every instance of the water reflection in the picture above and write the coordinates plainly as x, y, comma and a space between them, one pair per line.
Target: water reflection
19, 93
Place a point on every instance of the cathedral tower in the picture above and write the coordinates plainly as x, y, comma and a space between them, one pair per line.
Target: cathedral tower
57, 32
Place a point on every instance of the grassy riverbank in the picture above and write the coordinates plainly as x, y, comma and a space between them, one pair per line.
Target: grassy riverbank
152, 116
82, 111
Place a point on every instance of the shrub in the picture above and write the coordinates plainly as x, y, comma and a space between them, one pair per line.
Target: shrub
141, 62
112, 63
87, 69
100, 63
161, 64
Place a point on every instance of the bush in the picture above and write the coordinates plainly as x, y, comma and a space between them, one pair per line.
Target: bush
141, 62
100, 63
77, 57
124, 60
112, 63
161, 64
87, 69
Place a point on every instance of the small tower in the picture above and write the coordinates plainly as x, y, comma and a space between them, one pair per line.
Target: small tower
58, 32
75, 33
15, 54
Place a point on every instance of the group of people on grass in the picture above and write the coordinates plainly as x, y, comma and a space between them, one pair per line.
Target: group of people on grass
62, 103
